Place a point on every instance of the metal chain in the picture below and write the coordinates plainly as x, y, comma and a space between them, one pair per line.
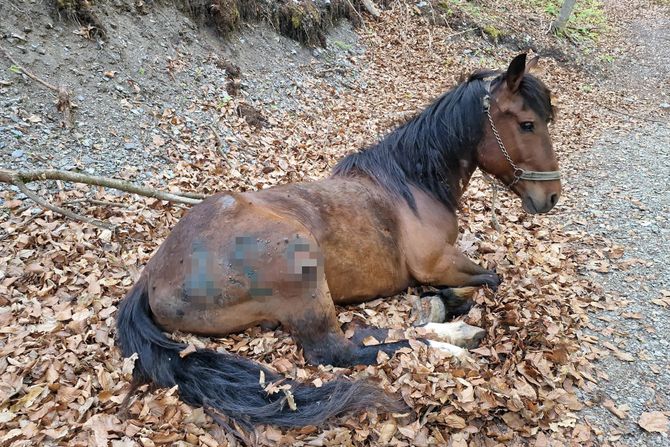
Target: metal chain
518, 172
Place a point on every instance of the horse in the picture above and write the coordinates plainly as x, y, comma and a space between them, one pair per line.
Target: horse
383, 221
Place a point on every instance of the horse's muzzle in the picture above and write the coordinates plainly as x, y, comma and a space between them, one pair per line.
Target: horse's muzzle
538, 204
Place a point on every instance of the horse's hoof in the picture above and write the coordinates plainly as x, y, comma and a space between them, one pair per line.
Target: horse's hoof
495, 281
456, 333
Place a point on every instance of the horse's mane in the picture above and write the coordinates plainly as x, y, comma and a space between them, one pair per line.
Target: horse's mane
426, 152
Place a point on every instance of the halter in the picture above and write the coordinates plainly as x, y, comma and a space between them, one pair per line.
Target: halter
519, 173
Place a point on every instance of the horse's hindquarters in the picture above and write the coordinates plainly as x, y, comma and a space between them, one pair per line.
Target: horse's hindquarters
229, 265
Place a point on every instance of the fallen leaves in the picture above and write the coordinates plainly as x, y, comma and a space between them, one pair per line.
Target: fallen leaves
654, 421
187, 350
619, 411
625, 356
664, 300
60, 281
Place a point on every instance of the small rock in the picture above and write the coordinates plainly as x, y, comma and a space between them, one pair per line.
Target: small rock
130, 146
18, 153
664, 106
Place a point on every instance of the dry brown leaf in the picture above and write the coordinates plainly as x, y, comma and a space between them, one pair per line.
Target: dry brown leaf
617, 411
455, 421
386, 432
654, 421
189, 349
626, 357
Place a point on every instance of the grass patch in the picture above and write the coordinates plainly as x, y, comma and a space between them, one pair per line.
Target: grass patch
472, 13
587, 20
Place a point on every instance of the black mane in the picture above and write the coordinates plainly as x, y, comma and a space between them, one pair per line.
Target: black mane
426, 152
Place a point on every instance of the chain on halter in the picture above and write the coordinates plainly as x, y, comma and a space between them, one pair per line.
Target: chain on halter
519, 173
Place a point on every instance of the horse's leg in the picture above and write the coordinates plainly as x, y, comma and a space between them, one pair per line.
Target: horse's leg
456, 333
451, 337
451, 268
312, 320
457, 301
317, 330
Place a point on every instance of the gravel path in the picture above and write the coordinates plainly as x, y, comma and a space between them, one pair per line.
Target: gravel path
623, 186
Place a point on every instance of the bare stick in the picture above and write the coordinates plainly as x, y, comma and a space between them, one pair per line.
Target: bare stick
635, 117
67, 213
94, 202
19, 179
371, 8
16, 177
353, 8
64, 105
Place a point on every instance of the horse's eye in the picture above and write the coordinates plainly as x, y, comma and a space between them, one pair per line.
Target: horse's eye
527, 126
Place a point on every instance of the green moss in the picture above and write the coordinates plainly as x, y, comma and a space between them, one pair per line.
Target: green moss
446, 7
493, 32
295, 20
342, 45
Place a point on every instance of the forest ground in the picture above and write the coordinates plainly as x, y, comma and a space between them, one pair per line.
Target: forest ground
576, 349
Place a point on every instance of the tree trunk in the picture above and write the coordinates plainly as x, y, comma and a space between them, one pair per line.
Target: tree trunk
563, 16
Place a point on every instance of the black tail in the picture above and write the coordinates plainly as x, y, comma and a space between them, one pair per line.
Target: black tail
229, 383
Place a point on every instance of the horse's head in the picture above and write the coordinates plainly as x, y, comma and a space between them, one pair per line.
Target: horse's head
516, 147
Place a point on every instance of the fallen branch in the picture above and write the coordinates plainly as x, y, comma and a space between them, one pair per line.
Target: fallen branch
64, 105
371, 8
19, 179
56, 209
15, 177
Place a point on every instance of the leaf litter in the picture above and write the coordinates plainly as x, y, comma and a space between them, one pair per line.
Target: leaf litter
63, 381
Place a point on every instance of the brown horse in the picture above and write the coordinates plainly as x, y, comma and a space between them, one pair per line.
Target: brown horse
384, 220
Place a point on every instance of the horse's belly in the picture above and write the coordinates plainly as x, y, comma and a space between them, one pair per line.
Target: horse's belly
368, 269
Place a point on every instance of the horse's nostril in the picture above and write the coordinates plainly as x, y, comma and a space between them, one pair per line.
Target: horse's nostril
553, 199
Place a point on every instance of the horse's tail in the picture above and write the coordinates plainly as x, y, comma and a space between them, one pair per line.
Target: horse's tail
231, 384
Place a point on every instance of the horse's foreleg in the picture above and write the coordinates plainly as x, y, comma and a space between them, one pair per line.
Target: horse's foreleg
453, 269
457, 301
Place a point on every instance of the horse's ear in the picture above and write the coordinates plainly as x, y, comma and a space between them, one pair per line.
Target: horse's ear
515, 72
532, 63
